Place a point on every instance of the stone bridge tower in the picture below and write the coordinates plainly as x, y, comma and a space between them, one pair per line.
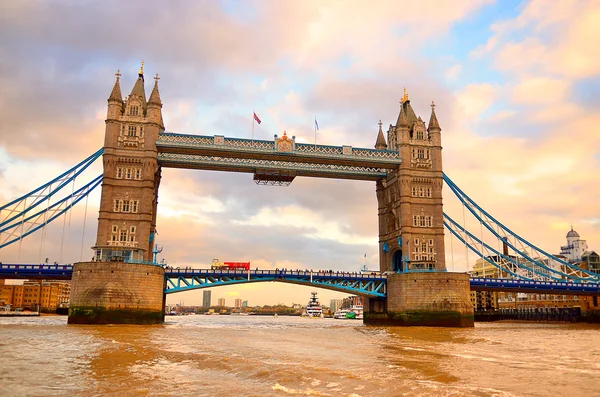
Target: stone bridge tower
411, 232
127, 217
411, 228
120, 284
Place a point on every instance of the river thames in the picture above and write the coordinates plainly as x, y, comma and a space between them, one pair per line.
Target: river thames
267, 356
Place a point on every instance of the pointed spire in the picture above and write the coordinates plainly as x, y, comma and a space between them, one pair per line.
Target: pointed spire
405, 97
402, 120
433, 121
138, 89
380, 143
116, 95
154, 95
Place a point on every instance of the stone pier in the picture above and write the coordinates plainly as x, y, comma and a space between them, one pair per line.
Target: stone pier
438, 299
117, 293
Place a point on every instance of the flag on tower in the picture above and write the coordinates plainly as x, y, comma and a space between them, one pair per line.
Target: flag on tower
256, 118
316, 124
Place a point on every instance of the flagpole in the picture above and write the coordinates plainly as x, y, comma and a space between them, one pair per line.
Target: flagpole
253, 119
315, 130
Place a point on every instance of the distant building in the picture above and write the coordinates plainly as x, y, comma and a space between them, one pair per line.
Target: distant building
221, 302
575, 247
591, 261
206, 299
244, 304
48, 295
486, 300
335, 304
237, 303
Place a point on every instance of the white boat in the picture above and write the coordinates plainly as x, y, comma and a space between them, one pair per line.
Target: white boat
358, 309
354, 313
340, 314
313, 308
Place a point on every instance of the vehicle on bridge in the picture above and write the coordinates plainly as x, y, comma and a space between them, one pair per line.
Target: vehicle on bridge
218, 265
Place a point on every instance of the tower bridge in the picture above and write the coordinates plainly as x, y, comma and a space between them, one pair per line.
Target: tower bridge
122, 284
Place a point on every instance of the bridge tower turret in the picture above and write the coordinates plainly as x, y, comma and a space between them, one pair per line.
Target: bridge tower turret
410, 199
411, 232
127, 217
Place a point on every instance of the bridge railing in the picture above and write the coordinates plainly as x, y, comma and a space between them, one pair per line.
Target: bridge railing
574, 283
276, 272
35, 267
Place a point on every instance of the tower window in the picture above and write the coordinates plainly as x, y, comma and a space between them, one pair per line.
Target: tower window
134, 110
420, 153
134, 206
420, 135
138, 173
119, 173
428, 191
129, 174
125, 207
132, 230
115, 228
132, 130
123, 236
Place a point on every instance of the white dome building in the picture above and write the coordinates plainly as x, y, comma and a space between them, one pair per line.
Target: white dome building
575, 247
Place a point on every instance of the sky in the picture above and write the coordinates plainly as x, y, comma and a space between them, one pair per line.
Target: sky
516, 86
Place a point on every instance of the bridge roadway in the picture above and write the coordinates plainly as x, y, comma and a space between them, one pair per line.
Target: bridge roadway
365, 284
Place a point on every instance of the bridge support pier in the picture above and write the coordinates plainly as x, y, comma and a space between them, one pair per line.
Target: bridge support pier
117, 293
434, 299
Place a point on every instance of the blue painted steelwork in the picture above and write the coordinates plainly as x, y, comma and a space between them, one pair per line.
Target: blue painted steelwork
169, 142
19, 219
55, 272
370, 285
223, 163
531, 286
62, 180
40, 219
453, 225
504, 234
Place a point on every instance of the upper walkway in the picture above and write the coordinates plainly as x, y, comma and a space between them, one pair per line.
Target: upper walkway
365, 284
281, 154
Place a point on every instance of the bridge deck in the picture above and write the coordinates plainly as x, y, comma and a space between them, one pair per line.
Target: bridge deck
367, 284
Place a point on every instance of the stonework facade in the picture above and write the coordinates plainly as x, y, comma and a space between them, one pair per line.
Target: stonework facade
411, 229
117, 293
127, 216
438, 299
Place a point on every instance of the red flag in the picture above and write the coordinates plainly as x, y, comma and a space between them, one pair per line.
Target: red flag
256, 118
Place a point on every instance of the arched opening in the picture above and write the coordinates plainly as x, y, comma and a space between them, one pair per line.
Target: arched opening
397, 261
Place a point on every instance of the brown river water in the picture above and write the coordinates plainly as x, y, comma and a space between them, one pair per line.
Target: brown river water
267, 356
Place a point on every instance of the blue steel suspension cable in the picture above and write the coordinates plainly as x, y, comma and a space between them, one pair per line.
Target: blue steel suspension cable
457, 235
469, 203
499, 254
80, 194
77, 170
